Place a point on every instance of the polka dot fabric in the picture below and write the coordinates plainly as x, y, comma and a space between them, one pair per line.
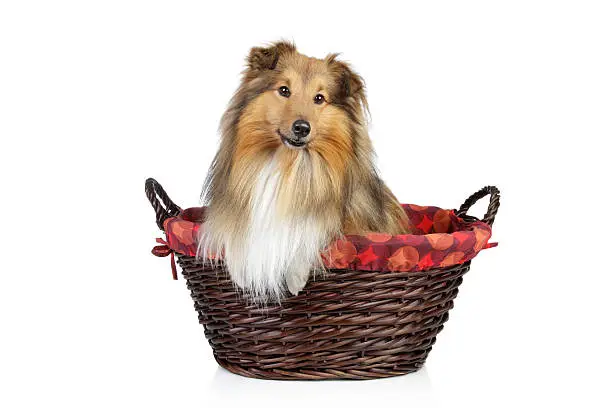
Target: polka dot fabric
440, 239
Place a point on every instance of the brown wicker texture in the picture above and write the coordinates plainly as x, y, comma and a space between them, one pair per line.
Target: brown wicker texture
346, 325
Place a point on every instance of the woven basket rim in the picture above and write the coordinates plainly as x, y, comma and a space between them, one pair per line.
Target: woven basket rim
373, 251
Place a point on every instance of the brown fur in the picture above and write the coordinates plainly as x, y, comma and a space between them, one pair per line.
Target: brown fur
340, 183
261, 189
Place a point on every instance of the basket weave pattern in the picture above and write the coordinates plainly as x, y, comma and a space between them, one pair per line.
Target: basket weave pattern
345, 325
352, 325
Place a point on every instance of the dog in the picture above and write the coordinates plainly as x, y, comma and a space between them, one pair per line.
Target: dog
293, 172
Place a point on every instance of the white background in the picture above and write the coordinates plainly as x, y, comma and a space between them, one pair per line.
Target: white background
97, 96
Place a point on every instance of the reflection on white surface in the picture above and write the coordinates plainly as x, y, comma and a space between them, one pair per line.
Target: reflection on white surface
411, 387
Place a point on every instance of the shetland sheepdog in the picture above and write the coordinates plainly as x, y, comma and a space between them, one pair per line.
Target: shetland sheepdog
294, 171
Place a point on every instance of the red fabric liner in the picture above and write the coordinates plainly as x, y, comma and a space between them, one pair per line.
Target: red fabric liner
441, 239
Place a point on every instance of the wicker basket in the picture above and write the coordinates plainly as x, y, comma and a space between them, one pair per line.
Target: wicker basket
350, 325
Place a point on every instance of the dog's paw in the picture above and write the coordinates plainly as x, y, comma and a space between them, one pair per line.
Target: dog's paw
296, 281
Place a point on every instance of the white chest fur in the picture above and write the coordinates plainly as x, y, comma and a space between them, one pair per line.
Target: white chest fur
276, 251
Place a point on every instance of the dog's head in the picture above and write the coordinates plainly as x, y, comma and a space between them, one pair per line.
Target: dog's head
290, 101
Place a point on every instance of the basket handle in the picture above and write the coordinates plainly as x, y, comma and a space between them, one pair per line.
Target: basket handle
157, 196
493, 203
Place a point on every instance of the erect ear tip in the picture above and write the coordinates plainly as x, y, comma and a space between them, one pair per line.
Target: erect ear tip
264, 58
350, 81
261, 58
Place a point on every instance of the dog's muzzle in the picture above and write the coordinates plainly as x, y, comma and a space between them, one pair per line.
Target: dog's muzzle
295, 142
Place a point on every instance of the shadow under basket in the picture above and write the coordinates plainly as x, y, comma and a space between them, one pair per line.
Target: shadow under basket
348, 324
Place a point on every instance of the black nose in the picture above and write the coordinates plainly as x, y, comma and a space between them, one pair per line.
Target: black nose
300, 128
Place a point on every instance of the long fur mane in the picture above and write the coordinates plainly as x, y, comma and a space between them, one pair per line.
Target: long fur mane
273, 210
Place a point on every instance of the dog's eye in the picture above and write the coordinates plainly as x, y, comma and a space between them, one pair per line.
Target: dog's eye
284, 91
319, 99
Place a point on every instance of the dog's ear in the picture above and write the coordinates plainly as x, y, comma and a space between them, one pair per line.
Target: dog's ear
349, 85
266, 58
